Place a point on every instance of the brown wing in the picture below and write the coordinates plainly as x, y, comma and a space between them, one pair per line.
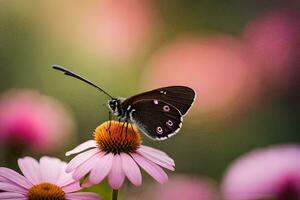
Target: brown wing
181, 97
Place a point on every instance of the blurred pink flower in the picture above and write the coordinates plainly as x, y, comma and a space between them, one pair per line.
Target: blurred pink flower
274, 39
119, 30
217, 67
45, 179
116, 152
33, 120
177, 188
265, 173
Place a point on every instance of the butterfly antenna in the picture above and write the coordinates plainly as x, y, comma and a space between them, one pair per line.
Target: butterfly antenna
74, 75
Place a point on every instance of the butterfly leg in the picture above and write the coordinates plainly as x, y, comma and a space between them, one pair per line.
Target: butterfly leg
109, 126
122, 128
132, 128
126, 128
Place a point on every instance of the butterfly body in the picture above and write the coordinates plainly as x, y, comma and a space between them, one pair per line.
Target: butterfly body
157, 113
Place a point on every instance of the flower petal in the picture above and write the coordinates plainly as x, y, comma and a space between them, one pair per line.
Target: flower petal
65, 178
30, 169
157, 154
103, 166
82, 195
14, 177
10, 187
86, 145
87, 166
75, 186
11, 196
158, 159
80, 158
152, 169
116, 175
50, 169
131, 169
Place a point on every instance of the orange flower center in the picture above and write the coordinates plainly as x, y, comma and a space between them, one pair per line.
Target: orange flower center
117, 137
46, 191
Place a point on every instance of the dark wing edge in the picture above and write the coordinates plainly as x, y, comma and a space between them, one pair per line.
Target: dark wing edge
177, 89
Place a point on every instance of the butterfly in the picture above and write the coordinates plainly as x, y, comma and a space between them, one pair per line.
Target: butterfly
157, 113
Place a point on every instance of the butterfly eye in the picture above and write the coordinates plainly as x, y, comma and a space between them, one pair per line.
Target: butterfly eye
166, 108
169, 123
159, 130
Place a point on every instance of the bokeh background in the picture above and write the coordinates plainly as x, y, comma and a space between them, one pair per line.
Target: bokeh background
242, 58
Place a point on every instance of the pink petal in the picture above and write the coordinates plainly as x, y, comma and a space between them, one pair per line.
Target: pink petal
157, 154
131, 169
14, 177
116, 175
158, 159
80, 158
50, 169
11, 196
102, 168
30, 169
10, 187
82, 195
84, 146
152, 169
65, 178
87, 166
72, 187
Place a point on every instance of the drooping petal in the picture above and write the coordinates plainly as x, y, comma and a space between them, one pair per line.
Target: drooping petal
87, 166
80, 158
84, 146
152, 169
153, 151
11, 196
75, 186
131, 169
65, 178
103, 166
30, 169
158, 159
10, 187
82, 195
14, 177
50, 169
116, 175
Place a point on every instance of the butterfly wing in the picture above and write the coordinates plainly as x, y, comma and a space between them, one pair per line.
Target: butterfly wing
157, 119
181, 97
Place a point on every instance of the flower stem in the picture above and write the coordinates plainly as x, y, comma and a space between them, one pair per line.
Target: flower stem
115, 194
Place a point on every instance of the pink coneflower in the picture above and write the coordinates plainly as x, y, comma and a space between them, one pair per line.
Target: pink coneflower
177, 188
43, 180
274, 40
33, 120
119, 31
266, 173
218, 67
117, 152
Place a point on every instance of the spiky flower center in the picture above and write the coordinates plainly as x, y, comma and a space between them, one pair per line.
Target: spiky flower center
46, 191
117, 137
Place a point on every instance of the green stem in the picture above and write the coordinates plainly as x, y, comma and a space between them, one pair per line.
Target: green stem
115, 194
